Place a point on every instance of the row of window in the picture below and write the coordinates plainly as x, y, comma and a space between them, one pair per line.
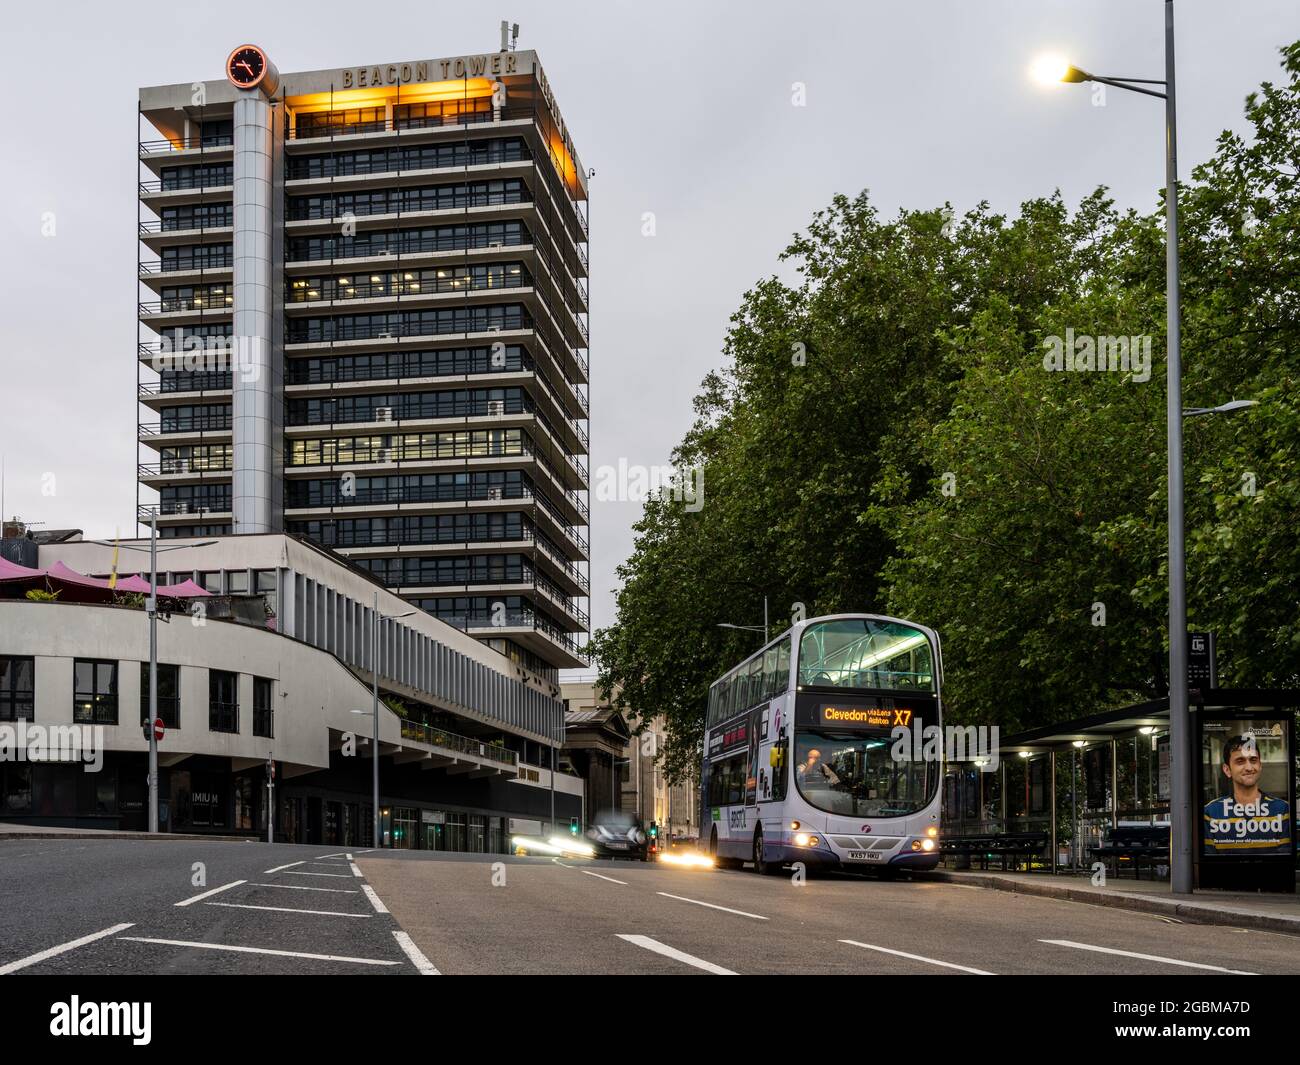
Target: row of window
453, 403
408, 488
196, 216
407, 241
95, 695
402, 200
430, 322
196, 257
432, 572
409, 282
196, 176
196, 458
405, 116
397, 447
191, 417
764, 677
417, 529
391, 365
421, 157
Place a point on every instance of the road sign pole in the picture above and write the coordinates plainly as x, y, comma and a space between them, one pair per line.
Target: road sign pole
270, 799
153, 669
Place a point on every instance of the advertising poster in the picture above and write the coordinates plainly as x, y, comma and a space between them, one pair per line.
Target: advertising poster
1245, 787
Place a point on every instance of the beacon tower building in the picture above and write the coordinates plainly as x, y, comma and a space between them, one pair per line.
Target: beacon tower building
363, 321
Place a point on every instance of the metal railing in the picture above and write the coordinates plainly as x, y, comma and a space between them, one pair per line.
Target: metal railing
180, 144
451, 741
176, 467
188, 262
399, 245
185, 184
524, 619
189, 425
312, 334
182, 225
222, 304
184, 508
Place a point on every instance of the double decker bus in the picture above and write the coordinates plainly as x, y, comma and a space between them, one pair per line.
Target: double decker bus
799, 749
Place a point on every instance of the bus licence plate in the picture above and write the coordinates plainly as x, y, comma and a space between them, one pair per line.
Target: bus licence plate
866, 856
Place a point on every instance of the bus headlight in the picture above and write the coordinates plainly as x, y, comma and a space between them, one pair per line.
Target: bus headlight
927, 844
916, 844
932, 832
804, 839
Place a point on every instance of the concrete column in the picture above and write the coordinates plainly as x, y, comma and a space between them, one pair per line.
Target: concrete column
257, 410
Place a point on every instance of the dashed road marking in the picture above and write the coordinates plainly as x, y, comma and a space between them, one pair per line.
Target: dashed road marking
603, 877
917, 957
676, 955
1144, 957
62, 948
342, 875
308, 887
712, 906
278, 868
208, 894
259, 950
355, 871
285, 909
375, 900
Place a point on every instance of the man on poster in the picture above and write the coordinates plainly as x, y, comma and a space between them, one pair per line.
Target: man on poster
1246, 819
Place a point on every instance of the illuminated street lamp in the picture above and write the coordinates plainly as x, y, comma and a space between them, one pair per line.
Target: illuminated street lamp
1053, 68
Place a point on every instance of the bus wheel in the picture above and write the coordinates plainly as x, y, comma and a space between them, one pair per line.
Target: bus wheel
761, 865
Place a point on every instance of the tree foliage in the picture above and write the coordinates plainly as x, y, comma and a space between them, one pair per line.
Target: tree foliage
884, 436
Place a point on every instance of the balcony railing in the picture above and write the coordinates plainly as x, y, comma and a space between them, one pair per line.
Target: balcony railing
399, 245
413, 124
197, 382
174, 508
183, 225
185, 183
176, 467
187, 262
450, 741
188, 425
178, 304
224, 140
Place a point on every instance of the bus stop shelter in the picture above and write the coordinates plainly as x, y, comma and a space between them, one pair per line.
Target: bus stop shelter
1064, 796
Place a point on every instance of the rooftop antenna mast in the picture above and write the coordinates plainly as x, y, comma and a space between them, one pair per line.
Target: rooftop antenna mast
509, 35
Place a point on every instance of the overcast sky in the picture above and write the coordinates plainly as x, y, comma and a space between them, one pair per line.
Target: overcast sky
683, 109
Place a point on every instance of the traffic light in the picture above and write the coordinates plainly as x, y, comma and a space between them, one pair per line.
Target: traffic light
654, 829
573, 826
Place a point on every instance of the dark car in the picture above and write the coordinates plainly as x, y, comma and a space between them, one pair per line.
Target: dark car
615, 834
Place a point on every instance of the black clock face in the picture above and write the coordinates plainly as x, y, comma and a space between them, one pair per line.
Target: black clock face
246, 66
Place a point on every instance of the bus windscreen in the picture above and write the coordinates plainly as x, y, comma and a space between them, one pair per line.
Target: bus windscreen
865, 653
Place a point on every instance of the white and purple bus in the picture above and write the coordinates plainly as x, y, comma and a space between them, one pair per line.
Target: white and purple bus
801, 758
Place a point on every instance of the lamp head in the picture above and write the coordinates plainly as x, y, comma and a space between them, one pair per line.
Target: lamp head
1053, 69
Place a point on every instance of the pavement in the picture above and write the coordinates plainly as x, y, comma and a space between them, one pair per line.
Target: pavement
492, 914
1274, 912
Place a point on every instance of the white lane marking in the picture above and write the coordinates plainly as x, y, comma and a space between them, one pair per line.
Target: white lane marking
284, 909
375, 900
710, 905
344, 876
677, 955
307, 887
1144, 957
423, 964
258, 950
603, 877
334, 855
277, 869
917, 957
208, 894
63, 948
355, 870
348, 856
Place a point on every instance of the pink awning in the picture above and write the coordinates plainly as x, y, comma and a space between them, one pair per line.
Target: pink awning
11, 571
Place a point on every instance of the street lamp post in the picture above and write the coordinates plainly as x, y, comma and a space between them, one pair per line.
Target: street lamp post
1180, 806
151, 609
